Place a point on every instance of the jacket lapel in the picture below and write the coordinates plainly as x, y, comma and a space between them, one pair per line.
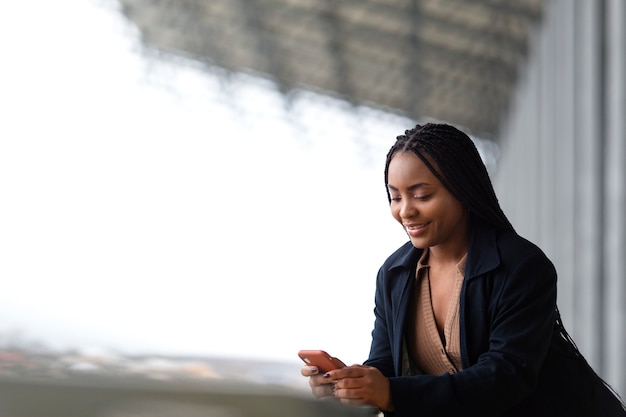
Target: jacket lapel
402, 291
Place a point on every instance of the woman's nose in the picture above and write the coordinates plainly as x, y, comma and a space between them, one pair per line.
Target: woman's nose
407, 208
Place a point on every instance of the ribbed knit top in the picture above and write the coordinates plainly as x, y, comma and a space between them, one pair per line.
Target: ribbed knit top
430, 351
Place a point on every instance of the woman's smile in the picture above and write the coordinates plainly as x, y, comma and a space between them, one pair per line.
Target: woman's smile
415, 230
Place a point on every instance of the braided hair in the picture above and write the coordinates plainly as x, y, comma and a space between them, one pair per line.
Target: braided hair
460, 168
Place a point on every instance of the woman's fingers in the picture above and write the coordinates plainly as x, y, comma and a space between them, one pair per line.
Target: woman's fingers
322, 390
321, 387
363, 385
309, 370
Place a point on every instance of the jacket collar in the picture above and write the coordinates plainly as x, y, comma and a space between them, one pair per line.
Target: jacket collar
482, 256
407, 257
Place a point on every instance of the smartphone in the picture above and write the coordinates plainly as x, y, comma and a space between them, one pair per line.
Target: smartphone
321, 359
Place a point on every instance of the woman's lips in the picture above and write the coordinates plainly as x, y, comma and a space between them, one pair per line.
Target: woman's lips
415, 230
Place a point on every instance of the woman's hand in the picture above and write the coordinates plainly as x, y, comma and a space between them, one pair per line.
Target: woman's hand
321, 387
360, 385
356, 385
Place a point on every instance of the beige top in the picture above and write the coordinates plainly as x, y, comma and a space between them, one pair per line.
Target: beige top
432, 352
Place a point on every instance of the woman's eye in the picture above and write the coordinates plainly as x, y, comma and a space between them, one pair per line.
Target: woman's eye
395, 198
422, 197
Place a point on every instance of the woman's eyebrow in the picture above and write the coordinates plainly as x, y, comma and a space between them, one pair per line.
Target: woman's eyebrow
412, 187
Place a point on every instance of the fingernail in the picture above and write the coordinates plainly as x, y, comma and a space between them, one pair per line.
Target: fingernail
314, 370
326, 375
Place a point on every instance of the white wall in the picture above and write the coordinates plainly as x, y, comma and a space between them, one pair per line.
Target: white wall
561, 176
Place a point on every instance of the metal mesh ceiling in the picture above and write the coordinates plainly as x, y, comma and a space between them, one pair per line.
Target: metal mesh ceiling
452, 60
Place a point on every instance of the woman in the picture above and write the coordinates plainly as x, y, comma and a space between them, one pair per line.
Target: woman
466, 322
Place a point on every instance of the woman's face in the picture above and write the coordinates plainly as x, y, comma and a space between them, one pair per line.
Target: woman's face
431, 216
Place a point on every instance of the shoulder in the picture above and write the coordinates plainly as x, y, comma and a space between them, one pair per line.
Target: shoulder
514, 248
524, 269
504, 252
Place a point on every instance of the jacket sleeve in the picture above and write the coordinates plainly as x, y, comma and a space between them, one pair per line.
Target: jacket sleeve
518, 327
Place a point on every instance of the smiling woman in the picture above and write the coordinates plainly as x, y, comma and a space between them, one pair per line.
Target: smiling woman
466, 315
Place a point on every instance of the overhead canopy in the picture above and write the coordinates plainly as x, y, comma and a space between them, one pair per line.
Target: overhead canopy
452, 60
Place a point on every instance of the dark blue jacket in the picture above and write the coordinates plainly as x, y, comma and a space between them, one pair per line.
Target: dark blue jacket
517, 358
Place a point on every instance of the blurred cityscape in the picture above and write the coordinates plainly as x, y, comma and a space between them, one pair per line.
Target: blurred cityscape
33, 360
36, 381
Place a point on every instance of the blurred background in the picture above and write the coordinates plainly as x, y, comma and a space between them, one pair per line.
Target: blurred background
195, 179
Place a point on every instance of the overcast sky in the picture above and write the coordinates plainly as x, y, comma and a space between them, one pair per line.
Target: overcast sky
150, 207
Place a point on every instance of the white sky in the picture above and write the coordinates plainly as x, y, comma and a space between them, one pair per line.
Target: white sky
150, 208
